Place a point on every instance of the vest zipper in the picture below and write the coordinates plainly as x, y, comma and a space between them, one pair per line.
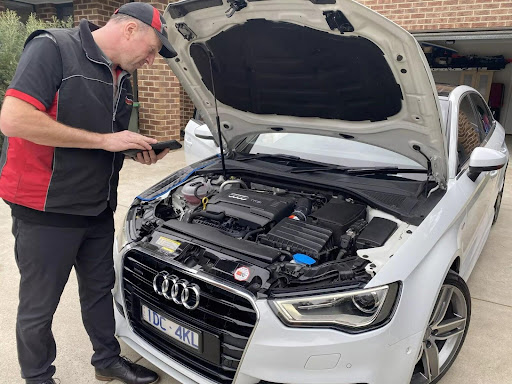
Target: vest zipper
114, 107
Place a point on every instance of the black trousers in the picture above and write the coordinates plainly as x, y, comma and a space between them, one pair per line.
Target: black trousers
45, 256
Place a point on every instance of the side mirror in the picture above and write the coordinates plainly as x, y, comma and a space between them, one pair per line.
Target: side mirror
203, 132
485, 160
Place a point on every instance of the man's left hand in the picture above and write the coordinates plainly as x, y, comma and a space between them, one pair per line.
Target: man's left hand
150, 157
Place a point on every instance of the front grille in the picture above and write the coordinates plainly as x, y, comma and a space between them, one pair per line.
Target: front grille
226, 320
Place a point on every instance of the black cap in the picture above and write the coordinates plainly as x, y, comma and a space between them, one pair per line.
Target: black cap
150, 16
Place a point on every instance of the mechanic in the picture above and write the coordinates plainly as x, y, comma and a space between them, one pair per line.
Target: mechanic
65, 117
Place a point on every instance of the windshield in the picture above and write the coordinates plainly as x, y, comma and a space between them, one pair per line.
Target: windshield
325, 149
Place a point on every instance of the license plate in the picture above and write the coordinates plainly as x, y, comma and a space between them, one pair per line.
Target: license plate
170, 328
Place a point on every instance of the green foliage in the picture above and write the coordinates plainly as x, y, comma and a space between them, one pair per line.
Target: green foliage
13, 33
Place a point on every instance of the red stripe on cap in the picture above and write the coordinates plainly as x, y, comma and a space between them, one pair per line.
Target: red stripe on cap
23, 96
156, 23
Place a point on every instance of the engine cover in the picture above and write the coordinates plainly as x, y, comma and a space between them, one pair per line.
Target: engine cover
253, 207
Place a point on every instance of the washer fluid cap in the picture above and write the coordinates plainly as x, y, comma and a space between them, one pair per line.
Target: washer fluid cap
303, 259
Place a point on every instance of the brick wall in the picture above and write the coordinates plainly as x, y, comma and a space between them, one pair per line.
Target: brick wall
159, 95
46, 11
417, 15
97, 12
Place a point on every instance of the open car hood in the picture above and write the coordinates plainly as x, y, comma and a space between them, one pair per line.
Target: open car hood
327, 67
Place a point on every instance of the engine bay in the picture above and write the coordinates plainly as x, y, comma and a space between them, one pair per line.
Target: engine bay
263, 237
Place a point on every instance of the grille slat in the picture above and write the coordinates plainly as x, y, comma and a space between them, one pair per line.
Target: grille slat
225, 319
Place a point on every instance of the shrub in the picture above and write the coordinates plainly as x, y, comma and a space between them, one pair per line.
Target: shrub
13, 33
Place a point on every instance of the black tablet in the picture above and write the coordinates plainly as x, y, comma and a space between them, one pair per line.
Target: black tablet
158, 147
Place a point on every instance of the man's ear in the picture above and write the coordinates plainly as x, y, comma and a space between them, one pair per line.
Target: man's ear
130, 28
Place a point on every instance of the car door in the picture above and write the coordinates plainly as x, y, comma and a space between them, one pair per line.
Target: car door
470, 135
492, 138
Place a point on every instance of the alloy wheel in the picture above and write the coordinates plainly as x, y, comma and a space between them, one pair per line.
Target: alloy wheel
444, 335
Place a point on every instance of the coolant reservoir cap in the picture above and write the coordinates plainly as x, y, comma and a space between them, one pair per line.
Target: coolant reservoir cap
303, 259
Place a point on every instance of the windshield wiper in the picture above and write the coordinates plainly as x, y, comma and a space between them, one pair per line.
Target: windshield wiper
319, 168
384, 171
240, 157
358, 171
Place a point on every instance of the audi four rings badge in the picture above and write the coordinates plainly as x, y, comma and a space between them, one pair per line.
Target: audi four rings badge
237, 196
178, 290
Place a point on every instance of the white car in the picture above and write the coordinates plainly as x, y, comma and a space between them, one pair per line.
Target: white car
332, 240
199, 143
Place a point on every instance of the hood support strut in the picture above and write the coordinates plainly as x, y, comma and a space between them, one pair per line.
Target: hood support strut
217, 118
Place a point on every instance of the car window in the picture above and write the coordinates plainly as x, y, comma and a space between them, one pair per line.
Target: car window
327, 149
470, 135
483, 114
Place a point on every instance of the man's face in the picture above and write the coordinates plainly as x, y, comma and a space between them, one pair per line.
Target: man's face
142, 48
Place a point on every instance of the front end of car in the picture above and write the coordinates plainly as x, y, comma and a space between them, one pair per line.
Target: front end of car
235, 337
212, 298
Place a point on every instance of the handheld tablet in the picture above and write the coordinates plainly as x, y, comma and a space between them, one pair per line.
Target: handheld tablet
158, 147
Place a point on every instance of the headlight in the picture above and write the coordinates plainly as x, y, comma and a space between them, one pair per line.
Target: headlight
352, 311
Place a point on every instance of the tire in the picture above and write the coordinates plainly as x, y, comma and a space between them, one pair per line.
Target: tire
446, 331
497, 204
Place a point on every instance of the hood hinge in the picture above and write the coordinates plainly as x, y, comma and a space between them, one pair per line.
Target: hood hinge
337, 20
235, 6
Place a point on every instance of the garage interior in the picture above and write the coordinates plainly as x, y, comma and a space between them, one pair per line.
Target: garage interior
480, 59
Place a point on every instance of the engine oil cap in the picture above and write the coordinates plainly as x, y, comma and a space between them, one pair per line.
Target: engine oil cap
300, 258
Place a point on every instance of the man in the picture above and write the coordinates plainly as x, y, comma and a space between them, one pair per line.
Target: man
65, 117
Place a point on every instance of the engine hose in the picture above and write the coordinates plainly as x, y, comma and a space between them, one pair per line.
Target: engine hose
253, 232
229, 182
209, 215
196, 188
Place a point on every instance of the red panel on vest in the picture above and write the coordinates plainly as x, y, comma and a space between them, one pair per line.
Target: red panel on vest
28, 170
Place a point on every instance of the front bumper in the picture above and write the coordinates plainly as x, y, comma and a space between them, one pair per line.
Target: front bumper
278, 354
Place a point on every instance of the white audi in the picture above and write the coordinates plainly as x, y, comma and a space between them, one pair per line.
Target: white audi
331, 241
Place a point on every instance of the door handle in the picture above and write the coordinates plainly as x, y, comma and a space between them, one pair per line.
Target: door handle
493, 174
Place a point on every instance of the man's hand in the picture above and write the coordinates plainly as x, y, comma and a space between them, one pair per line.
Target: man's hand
150, 157
121, 141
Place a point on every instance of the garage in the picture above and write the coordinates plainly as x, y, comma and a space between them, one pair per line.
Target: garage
480, 59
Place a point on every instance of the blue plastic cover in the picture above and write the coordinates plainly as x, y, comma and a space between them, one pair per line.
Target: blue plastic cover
303, 259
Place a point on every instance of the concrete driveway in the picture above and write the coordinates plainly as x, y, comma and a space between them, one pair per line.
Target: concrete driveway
486, 357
